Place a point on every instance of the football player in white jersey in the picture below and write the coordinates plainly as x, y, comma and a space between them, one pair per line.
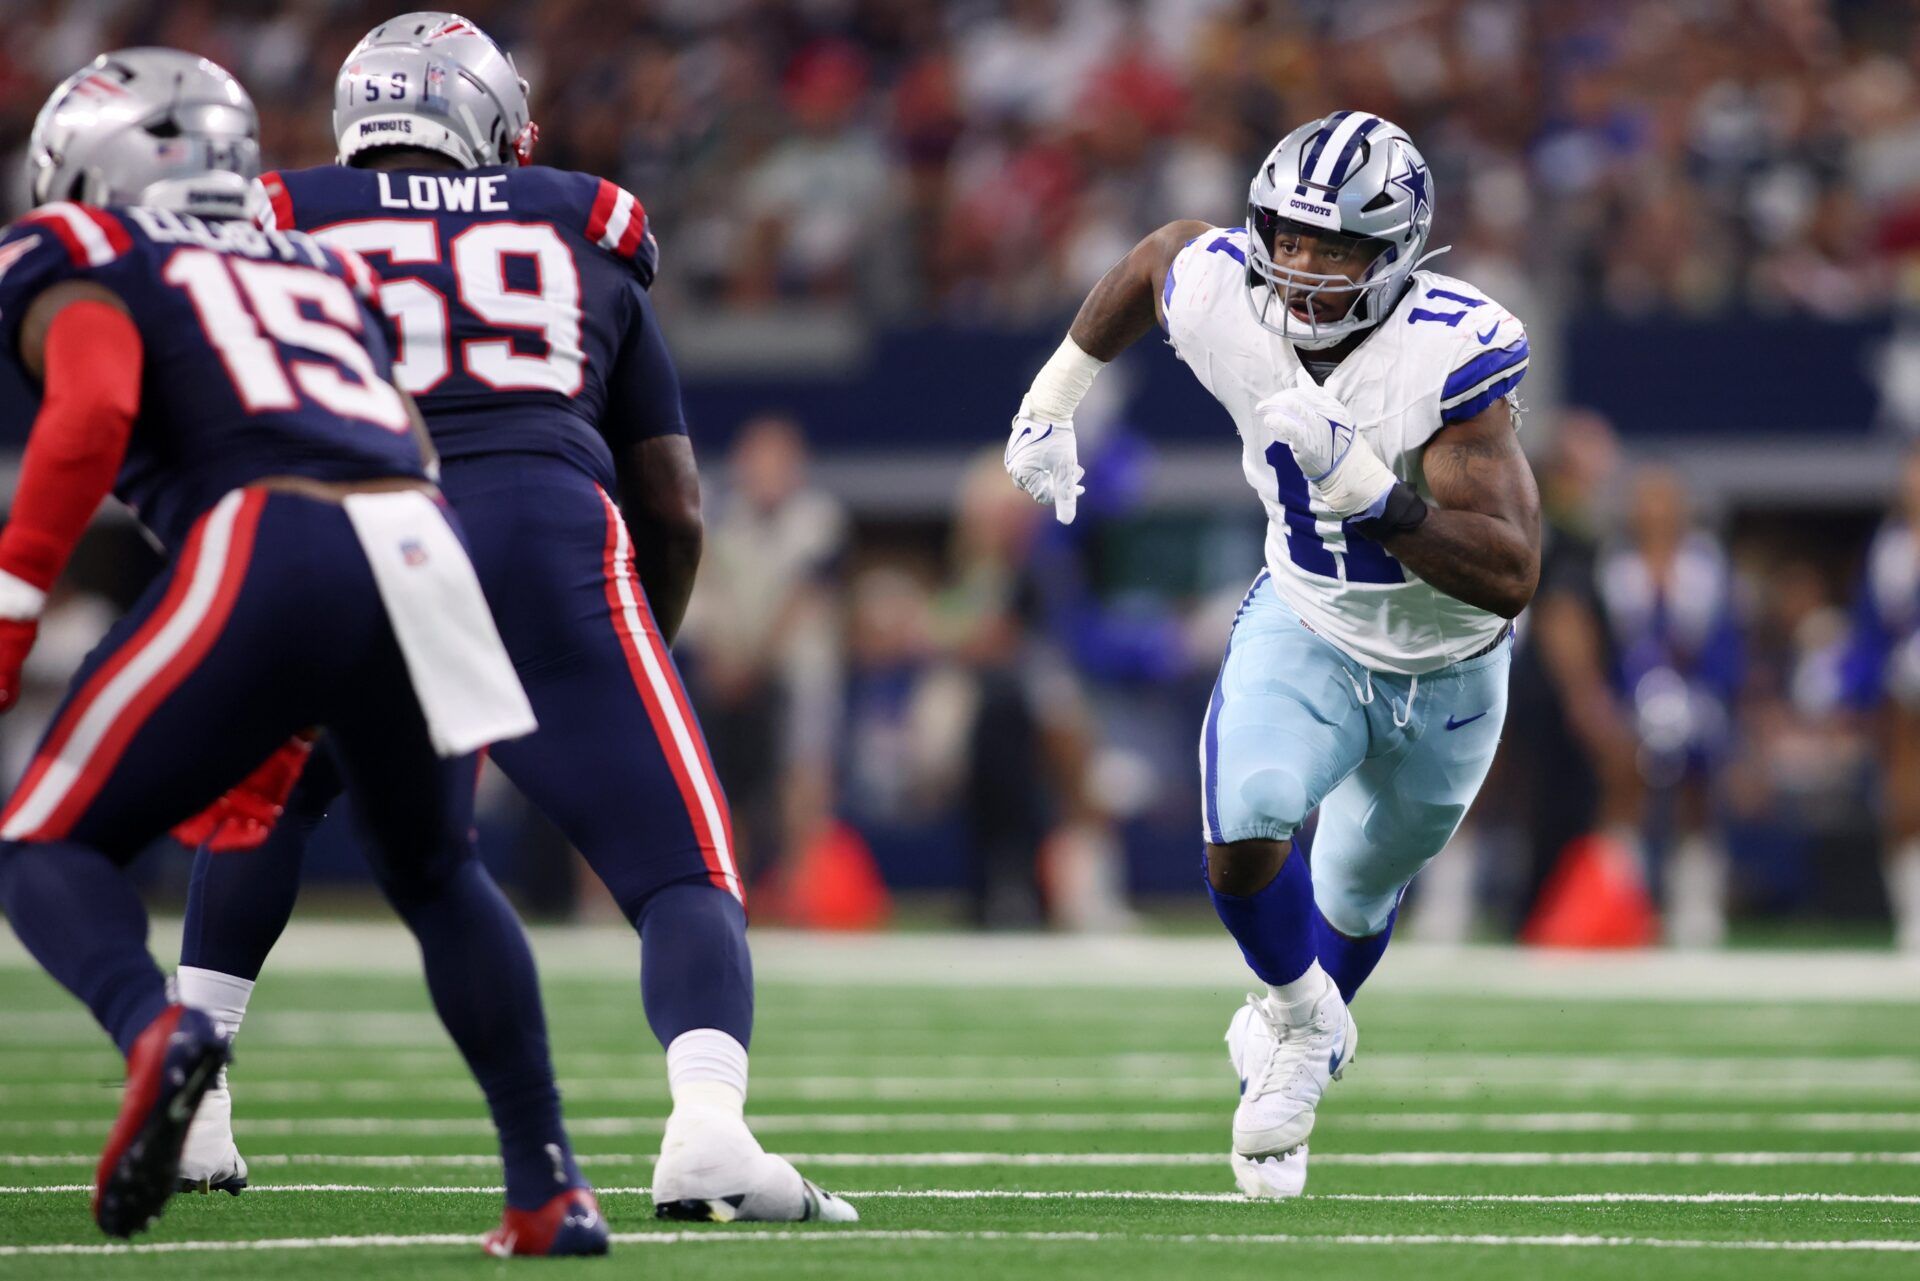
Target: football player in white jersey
1366, 673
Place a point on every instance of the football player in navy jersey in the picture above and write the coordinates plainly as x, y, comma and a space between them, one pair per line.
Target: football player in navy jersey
232, 386
527, 335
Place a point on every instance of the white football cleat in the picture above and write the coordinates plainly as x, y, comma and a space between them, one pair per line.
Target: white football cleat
1271, 1176
1284, 1069
712, 1170
210, 1162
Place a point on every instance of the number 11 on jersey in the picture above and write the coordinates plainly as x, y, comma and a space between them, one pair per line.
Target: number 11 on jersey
1367, 561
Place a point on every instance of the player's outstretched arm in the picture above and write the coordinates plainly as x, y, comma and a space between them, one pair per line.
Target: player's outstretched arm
1124, 307
1041, 455
1480, 540
78, 343
660, 496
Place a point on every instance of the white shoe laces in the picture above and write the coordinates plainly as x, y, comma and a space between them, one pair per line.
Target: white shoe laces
1286, 1065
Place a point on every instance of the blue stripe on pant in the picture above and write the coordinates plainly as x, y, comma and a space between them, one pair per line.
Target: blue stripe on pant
1391, 762
1210, 732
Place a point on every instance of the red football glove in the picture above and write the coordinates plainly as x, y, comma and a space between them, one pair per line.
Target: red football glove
244, 817
16, 640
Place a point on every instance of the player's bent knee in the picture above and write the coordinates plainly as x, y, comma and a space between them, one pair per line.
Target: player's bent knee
1244, 868
1355, 913
1277, 799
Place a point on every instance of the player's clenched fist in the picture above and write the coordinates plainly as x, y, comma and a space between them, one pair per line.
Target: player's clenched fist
1043, 460
1339, 464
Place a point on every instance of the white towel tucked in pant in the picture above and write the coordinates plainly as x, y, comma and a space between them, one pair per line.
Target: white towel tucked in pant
461, 673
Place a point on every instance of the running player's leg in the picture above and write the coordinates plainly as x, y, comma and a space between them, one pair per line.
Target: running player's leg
165, 714
189, 692
620, 764
1287, 722
238, 903
1284, 726
1381, 826
415, 813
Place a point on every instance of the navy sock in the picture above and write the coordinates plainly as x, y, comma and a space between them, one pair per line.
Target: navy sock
81, 918
695, 970
481, 975
239, 903
1348, 961
1273, 925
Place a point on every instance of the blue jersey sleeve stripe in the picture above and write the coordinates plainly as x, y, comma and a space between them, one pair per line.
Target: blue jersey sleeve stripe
1482, 367
1469, 408
1473, 393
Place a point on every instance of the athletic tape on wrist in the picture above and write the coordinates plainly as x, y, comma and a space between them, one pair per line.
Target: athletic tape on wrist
1061, 383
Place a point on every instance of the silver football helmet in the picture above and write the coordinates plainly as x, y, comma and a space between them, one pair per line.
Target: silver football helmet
147, 127
1353, 173
437, 82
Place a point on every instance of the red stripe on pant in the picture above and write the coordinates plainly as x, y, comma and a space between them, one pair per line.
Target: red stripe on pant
100, 762
718, 871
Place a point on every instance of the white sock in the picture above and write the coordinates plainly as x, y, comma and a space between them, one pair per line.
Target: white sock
1697, 893
1903, 894
1297, 1000
222, 996
707, 1069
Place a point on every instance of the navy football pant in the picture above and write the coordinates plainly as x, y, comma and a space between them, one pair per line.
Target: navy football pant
619, 762
266, 623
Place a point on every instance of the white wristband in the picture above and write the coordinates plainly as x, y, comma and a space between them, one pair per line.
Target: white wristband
20, 600
1061, 383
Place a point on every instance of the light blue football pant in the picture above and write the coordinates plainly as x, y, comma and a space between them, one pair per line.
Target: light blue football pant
1392, 762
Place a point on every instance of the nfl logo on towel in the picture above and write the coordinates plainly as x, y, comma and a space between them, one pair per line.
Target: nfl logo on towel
413, 553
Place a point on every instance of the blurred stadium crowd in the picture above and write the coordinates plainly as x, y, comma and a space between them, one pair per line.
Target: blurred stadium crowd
1727, 702
990, 158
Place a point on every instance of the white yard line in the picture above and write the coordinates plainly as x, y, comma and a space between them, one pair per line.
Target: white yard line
1090, 1160
1898, 1079
836, 1236
250, 1127
1110, 1194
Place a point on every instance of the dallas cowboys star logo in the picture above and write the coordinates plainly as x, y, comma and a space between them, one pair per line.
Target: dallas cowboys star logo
1415, 182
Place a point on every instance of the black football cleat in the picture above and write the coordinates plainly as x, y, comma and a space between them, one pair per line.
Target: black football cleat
171, 1067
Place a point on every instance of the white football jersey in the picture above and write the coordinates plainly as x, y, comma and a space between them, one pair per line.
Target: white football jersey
1444, 354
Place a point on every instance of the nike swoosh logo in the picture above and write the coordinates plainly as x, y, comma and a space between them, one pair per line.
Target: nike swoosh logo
1488, 336
1043, 435
1453, 724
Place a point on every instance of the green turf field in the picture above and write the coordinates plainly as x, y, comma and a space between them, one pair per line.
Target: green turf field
1008, 1108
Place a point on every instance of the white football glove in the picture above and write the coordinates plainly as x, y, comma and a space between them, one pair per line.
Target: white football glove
1338, 462
1042, 460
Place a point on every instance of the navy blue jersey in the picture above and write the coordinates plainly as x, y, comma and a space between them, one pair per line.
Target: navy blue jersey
520, 295
265, 353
